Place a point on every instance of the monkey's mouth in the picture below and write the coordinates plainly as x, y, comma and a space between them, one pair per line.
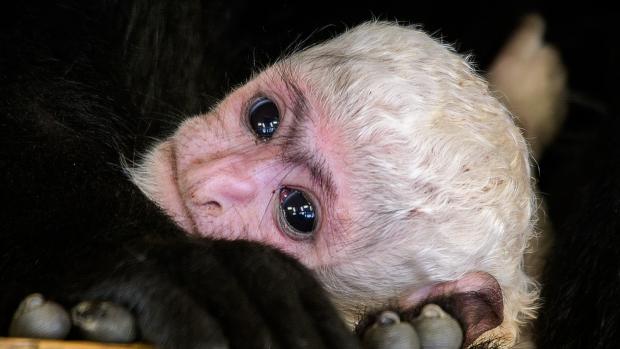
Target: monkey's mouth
475, 301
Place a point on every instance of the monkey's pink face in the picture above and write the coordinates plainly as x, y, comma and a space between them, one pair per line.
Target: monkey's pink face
263, 166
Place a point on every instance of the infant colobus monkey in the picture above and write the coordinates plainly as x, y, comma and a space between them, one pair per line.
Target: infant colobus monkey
380, 160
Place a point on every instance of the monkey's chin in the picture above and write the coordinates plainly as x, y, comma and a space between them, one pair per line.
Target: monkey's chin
157, 179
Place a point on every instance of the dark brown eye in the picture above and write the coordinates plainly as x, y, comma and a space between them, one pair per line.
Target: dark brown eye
296, 213
264, 118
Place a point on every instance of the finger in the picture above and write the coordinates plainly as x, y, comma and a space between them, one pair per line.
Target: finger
166, 315
550, 58
327, 321
527, 39
215, 284
270, 284
313, 307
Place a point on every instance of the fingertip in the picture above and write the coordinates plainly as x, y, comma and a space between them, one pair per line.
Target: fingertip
528, 38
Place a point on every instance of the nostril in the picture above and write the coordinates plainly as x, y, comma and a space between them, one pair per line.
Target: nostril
213, 208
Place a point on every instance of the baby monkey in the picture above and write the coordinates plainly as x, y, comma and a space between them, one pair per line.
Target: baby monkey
382, 161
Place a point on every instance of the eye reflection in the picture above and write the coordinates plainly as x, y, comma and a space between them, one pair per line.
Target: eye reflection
296, 213
264, 118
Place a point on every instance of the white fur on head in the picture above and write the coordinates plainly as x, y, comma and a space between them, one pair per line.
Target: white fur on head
437, 161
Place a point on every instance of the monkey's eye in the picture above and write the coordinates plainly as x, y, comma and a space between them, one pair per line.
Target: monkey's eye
296, 214
264, 118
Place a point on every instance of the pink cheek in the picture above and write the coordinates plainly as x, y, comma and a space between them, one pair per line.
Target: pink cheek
270, 236
304, 251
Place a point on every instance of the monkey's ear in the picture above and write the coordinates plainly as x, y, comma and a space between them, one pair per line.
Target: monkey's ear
475, 300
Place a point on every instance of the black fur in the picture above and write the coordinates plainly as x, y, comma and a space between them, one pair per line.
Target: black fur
84, 81
581, 182
81, 83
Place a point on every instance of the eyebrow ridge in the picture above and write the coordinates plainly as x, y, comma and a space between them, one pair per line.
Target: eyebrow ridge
321, 175
296, 153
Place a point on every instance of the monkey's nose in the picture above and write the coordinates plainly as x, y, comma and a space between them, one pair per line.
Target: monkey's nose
213, 208
215, 186
218, 193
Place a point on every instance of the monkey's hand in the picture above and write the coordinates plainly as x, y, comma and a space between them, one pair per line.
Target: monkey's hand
187, 293
530, 79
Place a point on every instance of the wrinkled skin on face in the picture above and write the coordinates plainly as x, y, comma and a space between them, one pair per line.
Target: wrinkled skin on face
381, 161
216, 178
